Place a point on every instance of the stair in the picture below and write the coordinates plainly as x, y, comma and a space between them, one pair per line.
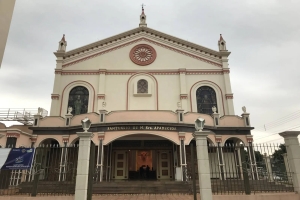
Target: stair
141, 187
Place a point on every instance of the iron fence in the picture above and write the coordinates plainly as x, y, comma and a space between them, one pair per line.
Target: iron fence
249, 169
53, 172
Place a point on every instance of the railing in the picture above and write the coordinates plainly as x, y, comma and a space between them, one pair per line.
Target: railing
22, 115
249, 169
53, 172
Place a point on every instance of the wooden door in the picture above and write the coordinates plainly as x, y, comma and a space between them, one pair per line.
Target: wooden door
121, 170
164, 163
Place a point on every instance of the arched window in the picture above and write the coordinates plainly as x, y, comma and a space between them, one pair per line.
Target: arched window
78, 100
206, 99
142, 86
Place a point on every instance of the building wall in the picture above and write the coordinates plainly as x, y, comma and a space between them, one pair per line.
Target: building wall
120, 75
6, 12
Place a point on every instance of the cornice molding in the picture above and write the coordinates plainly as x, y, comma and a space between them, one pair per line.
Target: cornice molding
146, 30
130, 72
198, 57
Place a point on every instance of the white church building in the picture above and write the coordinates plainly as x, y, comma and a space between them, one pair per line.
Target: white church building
142, 89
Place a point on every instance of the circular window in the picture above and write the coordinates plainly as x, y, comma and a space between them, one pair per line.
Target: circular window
142, 54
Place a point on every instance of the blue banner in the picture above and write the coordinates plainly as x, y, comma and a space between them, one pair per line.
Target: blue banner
19, 158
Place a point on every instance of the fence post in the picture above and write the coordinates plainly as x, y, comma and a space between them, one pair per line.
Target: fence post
293, 154
82, 177
203, 164
36, 170
245, 171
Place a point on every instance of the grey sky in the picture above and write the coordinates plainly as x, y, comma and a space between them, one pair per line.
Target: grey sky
263, 37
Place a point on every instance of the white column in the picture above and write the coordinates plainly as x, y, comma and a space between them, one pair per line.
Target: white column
182, 156
293, 149
83, 165
269, 167
100, 156
203, 165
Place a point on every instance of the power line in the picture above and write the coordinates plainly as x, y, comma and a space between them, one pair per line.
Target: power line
278, 132
280, 121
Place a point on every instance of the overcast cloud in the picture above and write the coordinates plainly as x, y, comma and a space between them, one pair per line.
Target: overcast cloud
263, 37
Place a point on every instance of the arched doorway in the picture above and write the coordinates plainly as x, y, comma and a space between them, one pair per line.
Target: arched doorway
140, 157
47, 159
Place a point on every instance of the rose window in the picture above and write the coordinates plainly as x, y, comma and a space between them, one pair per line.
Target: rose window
142, 54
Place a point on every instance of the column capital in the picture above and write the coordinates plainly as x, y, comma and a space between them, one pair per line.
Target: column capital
218, 138
249, 138
85, 134
65, 138
101, 135
181, 135
289, 134
201, 134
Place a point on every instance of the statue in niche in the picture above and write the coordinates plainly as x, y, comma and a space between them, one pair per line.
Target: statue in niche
78, 100
78, 105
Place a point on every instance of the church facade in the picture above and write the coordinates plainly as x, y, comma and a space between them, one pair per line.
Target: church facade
142, 90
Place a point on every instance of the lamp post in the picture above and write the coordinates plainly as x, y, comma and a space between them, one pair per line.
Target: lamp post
202, 159
81, 189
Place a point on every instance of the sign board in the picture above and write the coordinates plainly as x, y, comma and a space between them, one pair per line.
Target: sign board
19, 158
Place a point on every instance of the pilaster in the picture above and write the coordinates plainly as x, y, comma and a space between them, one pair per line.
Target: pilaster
101, 88
183, 92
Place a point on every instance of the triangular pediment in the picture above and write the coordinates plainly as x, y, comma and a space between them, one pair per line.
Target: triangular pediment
143, 34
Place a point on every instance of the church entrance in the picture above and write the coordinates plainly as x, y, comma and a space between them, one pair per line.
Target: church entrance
141, 160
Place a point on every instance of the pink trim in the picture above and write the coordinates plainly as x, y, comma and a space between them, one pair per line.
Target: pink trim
55, 96
101, 96
183, 96
74, 82
158, 72
229, 96
212, 83
156, 89
15, 135
143, 39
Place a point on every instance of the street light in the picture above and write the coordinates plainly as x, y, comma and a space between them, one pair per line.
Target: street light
86, 124
199, 124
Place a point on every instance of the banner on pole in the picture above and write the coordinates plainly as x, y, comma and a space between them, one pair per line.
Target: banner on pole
19, 158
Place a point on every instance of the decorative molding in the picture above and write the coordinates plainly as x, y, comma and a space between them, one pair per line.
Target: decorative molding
33, 138
229, 96
101, 96
226, 71
65, 138
147, 40
15, 135
55, 96
218, 139
152, 72
249, 138
183, 96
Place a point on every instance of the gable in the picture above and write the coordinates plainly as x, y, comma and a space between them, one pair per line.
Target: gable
115, 55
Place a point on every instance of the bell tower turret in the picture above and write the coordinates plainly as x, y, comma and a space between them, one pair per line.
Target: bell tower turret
62, 45
222, 44
143, 18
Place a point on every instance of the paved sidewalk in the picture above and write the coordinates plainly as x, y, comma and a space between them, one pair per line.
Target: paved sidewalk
145, 197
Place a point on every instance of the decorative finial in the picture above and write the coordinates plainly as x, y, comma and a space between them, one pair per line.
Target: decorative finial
222, 44
63, 38
244, 109
214, 109
143, 18
62, 44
